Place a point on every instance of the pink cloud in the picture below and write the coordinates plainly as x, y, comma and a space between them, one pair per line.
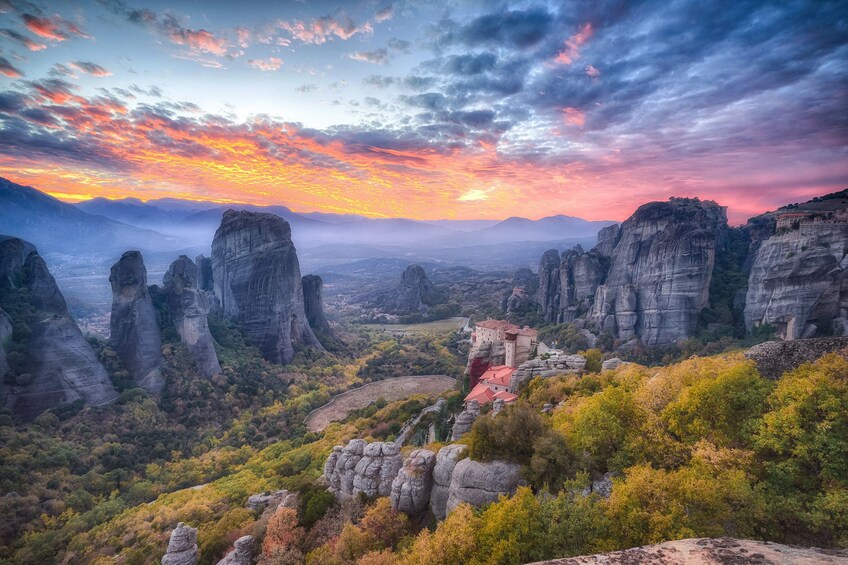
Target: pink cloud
573, 44
592, 71
320, 30
574, 117
269, 64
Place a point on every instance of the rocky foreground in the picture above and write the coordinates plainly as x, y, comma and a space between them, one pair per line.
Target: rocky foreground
711, 551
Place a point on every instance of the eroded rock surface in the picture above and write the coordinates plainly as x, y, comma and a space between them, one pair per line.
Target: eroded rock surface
711, 551
413, 484
774, 358
270, 499
360, 467
415, 293
243, 553
134, 328
465, 419
182, 547
59, 365
446, 460
189, 309
479, 483
5, 336
313, 297
257, 279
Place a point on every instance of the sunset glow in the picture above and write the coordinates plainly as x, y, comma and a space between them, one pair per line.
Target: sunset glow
528, 111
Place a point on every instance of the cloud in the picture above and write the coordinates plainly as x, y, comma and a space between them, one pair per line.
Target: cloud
319, 30
518, 28
385, 14
399, 45
269, 64
55, 27
380, 81
573, 44
23, 40
90, 68
8, 69
592, 71
574, 117
306, 88
378, 56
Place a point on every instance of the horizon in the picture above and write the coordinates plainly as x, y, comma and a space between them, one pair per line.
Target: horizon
443, 111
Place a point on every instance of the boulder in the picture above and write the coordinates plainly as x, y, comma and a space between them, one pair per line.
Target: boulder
446, 460
244, 552
256, 276
711, 551
60, 365
611, 364
775, 358
134, 327
497, 406
189, 308
479, 483
182, 547
265, 499
465, 419
413, 484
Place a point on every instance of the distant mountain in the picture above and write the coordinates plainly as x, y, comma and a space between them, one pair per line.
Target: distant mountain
135, 212
551, 228
57, 227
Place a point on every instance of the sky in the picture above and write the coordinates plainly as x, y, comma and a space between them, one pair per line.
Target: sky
428, 110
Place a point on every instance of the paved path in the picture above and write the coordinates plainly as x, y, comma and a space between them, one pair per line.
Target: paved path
393, 389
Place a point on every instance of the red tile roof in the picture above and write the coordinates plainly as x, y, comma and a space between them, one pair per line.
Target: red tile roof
497, 325
499, 375
481, 393
506, 396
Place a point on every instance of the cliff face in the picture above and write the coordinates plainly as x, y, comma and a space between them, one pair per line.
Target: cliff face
256, 277
134, 328
189, 308
414, 294
648, 278
57, 365
799, 281
313, 300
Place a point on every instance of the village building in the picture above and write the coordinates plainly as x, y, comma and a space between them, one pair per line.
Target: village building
494, 384
519, 343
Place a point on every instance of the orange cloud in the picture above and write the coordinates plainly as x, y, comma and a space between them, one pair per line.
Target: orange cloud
574, 117
573, 44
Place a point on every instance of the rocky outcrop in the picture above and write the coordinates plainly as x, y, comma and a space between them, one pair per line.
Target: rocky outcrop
611, 364
465, 419
775, 358
481, 357
360, 467
516, 302
799, 282
188, 308
479, 483
414, 295
414, 482
58, 364
182, 547
711, 551
648, 278
313, 299
244, 552
257, 279
556, 363
446, 460
134, 327
270, 499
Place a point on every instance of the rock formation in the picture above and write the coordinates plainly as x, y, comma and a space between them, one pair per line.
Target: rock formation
465, 419
182, 547
415, 293
244, 552
481, 357
256, 277
516, 302
313, 298
446, 460
360, 467
134, 327
799, 280
270, 499
189, 307
774, 358
711, 551
5, 335
555, 364
479, 483
647, 279
204, 273
58, 365
414, 482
